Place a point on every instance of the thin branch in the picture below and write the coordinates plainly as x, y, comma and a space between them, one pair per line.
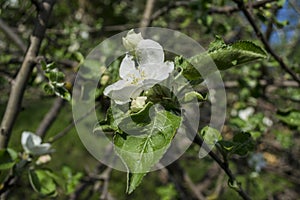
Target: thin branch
147, 13
224, 165
266, 44
213, 10
177, 177
19, 84
166, 9
71, 125
12, 35
50, 117
232, 9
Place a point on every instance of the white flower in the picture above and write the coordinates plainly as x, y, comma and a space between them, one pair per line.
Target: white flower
267, 121
138, 103
134, 79
131, 40
32, 144
246, 113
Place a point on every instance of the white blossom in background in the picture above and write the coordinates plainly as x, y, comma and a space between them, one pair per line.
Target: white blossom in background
32, 144
150, 70
257, 161
246, 113
131, 40
267, 121
138, 103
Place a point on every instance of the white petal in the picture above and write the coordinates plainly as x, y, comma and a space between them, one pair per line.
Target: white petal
41, 149
122, 91
127, 68
116, 86
30, 140
159, 71
149, 51
24, 138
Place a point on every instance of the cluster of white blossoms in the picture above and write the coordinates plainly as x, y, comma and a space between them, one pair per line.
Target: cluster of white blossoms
139, 72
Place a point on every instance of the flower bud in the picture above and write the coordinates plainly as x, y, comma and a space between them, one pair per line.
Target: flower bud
131, 40
138, 103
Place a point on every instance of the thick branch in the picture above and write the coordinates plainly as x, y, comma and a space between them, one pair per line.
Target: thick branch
266, 44
12, 35
20, 82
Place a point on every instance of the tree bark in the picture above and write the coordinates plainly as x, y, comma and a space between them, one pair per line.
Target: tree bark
19, 83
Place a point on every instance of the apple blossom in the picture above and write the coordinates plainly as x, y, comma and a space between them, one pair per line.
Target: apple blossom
32, 144
151, 70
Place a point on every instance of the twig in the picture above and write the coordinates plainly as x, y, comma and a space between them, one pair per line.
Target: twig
186, 190
266, 44
147, 13
214, 10
12, 35
231, 9
224, 165
19, 84
105, 176
50, 117
71, 125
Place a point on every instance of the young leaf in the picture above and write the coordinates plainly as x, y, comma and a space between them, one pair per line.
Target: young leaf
210, 135
7, 158
141, 152
241, 144
223, 55
42, 182
289, 117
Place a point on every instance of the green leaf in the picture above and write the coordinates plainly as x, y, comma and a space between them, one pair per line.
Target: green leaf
289, 117
217, 44
42, 182
141, 152
210, 135
236, 54
192, 96
62, 92
48, 89
56, 77
223, 55
241, 144
70, 180
226, 145
7, 158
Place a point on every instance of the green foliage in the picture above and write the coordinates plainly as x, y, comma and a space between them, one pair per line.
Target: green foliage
241, 144
167, 192
7, 158
222, 55
42, 182
56, 81
141, 152
289, 117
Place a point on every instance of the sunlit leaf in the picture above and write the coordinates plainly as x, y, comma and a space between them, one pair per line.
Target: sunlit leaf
143, 150
42, 182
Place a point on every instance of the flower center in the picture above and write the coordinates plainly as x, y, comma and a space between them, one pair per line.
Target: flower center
135, 79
